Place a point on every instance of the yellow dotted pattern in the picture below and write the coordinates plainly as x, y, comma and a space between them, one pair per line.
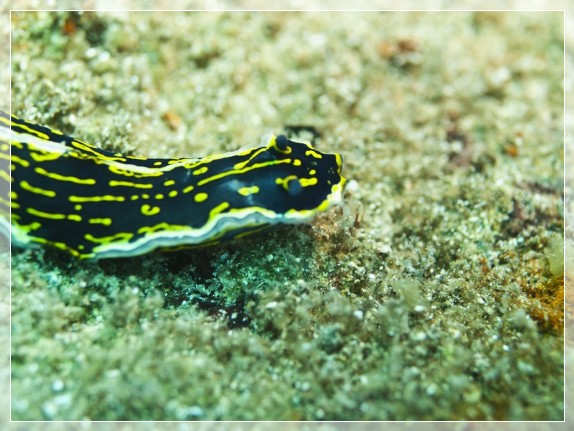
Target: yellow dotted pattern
94, 203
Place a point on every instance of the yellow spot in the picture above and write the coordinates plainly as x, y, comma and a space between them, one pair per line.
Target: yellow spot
26, 186
200, 197
114, 183
13, 195
305, 182
157, 163
44, 156
74, 217
134, 197
43, 214
148, 210
284, 182
218, 209
60, 245
296, 162
169, 183
121, 236
159, 196
242, 165
30, 227
77, 207
136, 171
200, 171
79, 141
106, 221
161, 226
241, 171
188, 189
54, 176
103, 198
84, 146
150, 229
312, 172
246, 191
145, 196
34, 132
313, 153
173, 193
20, 161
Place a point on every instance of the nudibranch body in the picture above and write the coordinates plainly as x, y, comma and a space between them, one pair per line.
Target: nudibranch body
98, 204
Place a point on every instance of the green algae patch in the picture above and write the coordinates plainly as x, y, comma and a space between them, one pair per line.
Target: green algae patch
434, 293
